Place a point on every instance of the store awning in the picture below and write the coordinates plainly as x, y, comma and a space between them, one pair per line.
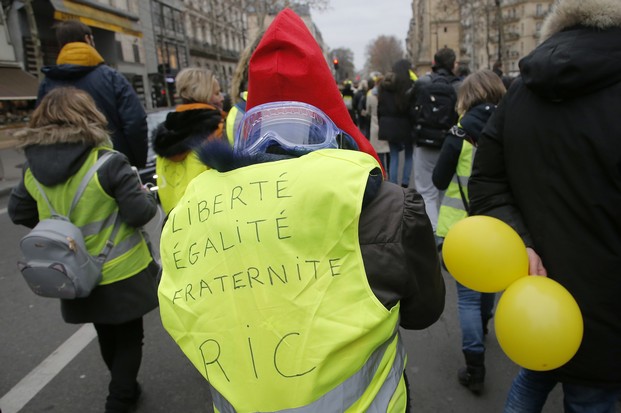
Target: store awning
97, 15
15, 84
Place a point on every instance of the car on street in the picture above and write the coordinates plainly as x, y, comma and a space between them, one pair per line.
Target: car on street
154, 118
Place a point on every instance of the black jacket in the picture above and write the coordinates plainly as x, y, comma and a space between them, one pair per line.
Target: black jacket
394, 118
184, 131
549, 164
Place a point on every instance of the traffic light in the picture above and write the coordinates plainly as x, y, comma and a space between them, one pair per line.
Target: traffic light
335, 61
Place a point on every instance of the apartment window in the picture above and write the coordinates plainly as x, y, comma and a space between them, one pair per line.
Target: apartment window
445, 30
539, 11
136, 51
168, 18
157, 15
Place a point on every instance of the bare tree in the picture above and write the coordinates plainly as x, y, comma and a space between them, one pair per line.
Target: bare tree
382, 53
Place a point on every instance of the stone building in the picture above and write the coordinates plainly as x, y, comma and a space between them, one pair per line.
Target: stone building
217, 34
148, 41
480, 31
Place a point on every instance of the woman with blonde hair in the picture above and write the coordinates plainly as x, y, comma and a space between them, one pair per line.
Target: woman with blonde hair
476, 101
198, 118
66, 136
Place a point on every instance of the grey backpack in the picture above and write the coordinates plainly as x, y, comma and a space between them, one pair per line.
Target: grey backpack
56, 262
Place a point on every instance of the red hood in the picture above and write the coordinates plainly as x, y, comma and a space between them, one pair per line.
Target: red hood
288, 64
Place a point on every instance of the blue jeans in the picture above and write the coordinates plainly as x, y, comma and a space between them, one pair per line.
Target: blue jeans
475, 309
530, 390
393, 170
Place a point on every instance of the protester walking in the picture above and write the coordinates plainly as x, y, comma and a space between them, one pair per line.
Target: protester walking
435, 97
549, 164
381, 147
67, 126
301, 308
393, 114
79, 65
194, 121
476, 102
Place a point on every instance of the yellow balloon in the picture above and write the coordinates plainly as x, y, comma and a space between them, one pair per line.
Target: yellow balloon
538, 323
484, 254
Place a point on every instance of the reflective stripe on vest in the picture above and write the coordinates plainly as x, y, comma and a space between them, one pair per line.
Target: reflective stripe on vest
264, 288
130, 253
342, 397
452, 208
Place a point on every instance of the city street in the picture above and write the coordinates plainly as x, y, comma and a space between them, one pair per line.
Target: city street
50, 366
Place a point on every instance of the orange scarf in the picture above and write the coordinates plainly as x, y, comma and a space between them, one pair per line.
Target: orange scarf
78, 53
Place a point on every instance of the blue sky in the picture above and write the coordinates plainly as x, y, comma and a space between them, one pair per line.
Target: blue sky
355, 23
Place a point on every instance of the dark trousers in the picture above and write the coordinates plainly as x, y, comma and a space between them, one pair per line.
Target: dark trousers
121, 349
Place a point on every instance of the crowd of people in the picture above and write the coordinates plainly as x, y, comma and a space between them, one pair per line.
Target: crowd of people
287, 288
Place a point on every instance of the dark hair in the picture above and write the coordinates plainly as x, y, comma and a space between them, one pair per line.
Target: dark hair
444, 59
403, 82
70, 31
463, 70
370, 83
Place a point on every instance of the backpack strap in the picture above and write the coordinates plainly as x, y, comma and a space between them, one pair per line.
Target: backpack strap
117, 221
103, 255
47, 201
87, 178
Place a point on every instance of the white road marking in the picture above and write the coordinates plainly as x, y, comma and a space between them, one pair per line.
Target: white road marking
2, 211
37, 379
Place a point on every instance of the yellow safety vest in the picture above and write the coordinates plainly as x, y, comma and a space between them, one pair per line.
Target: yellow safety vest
233, 120
264, 289
173, 178
95, 214
452, 209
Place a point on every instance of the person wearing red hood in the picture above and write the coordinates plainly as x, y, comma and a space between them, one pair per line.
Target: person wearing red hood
289, 267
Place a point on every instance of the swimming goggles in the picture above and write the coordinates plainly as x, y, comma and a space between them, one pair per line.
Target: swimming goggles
289, 126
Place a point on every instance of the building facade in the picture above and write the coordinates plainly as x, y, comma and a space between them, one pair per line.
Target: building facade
217, 34
148, 41
480, 31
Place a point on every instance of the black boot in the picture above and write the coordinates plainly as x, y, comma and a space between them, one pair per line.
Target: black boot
473, 375
485, 322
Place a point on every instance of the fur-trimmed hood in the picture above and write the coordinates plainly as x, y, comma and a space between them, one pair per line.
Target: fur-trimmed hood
55, 134
185, 130
599, 14
581, 54
54, 153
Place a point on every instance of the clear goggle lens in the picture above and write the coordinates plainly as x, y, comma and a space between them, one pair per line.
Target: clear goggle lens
293, 126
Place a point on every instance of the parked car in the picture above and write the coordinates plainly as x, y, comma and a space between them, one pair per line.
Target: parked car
154, 118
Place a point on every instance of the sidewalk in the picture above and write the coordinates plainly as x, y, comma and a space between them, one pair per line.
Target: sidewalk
11, 160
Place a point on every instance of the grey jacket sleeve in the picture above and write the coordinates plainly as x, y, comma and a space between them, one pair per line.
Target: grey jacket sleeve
400, 256
136, 205
22, 207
